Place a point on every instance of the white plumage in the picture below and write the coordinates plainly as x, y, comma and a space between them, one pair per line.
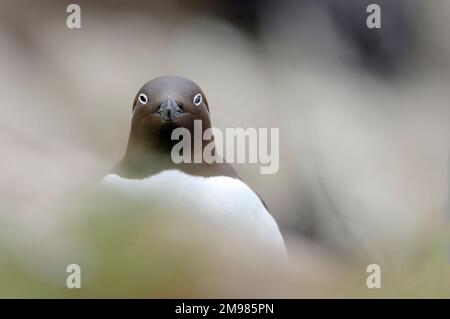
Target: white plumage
225, 201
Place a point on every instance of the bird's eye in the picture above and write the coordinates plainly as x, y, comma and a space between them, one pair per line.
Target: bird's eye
143, 98
197, 99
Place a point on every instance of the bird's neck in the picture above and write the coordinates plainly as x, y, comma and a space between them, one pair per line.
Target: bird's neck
145, 156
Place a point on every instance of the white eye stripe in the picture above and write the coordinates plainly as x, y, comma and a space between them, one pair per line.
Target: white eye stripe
143, 98
197, 99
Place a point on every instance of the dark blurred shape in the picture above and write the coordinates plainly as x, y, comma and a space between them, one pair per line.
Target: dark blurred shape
380, 50
245, 15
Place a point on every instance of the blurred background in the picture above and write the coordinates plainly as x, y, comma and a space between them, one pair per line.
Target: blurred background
364, 120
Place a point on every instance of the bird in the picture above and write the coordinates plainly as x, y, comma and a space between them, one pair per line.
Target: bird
210, 190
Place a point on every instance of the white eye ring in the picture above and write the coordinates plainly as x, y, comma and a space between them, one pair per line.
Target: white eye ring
197, 99
143, 98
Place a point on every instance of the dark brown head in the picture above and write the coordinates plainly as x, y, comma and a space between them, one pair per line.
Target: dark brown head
158, 96
164, 104
160, 106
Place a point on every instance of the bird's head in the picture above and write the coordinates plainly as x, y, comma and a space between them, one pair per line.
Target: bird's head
166, 103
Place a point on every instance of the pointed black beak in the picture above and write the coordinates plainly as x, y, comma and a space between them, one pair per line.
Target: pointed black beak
169, 109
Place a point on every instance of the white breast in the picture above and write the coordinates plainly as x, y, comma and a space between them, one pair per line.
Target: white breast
225, 200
